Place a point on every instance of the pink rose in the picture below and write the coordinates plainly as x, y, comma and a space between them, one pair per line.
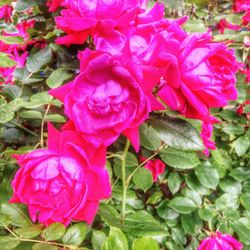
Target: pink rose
206, 136
6, 13
8, 72
220, 241
156, 167
197, 75
224, 24
105, 99
81, 18
246, 18
64, 182
241, 5
54, 4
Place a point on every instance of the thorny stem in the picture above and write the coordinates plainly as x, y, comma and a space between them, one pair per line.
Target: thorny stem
43, 122
124, 186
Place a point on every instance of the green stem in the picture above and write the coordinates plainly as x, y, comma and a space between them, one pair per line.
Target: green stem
124, 186
144, 162
40, 241
23, 128
43, 123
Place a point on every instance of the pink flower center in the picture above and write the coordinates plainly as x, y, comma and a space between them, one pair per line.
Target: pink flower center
107, 98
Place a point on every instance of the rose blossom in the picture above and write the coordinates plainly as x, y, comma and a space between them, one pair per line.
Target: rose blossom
206, 136
246, 18
220, 241
81, 18
6, 13
199, 74
7, 73
241, 5
155, 166
54, 4
224, 24
106, 99
64, 182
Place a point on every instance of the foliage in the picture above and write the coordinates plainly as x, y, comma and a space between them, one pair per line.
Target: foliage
196, 194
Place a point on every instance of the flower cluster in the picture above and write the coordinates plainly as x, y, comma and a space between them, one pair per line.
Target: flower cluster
16, 52
142, 62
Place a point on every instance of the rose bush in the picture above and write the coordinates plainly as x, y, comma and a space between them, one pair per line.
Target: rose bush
151, 107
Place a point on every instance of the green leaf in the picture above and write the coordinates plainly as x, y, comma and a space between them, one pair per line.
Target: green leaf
227, 201
242, 145
245, 200
165, 212
116, 240
31, 114
42, 246
143, 178
207, 213
29, 232
192, 195
11, 39
55, 118
58, 77
179, 159
247, 108
8, 242
178, 236
6, 61
149, 138
22, 5
4, 2
98, 238
174, 182
7, 109
5, 220
17, 215
155, 198
54, 231
230, 185
194, 184
234, 129
145, 244
195, 25
37, 100
182, 205
208, 176
191, 223
242, 231
139, 223
240, 174
39, 59
75, 234
177, 133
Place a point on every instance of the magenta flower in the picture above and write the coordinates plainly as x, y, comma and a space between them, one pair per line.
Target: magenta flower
220, 241
246, 18
206, 136
64, 182
241, 5
81, 18
54, 4
224, 24
156, 167
199, 74
6, 13
106, 99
